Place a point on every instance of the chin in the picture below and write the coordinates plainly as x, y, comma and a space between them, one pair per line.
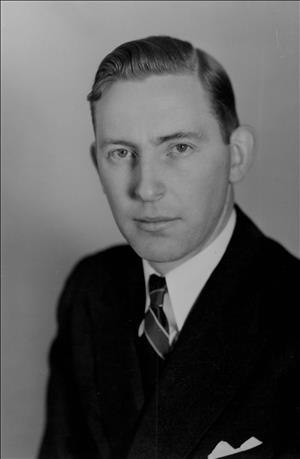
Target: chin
158, 252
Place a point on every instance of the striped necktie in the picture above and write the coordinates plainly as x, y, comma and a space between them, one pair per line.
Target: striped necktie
156, 322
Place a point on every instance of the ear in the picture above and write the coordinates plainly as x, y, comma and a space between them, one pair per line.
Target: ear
94, 154
242, 148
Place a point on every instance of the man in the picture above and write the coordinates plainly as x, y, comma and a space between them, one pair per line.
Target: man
184, 343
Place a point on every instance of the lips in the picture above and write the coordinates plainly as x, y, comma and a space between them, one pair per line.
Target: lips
153, 224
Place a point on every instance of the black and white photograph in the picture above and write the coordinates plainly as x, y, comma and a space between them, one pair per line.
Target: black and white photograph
150, 249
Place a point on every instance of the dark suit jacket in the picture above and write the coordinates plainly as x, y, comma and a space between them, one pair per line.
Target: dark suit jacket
231, 376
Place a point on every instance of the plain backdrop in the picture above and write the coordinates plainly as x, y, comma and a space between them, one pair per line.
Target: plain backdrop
53, 209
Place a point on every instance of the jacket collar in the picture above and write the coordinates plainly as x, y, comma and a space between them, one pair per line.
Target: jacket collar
117, 301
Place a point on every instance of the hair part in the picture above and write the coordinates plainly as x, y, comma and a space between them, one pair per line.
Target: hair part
163, 55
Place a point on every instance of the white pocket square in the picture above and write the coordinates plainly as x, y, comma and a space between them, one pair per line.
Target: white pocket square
224, 449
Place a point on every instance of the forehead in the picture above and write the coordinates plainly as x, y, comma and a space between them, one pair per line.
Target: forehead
154, 106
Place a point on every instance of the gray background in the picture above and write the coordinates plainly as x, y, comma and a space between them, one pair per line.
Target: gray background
52, 204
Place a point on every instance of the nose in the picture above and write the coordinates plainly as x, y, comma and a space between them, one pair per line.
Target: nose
148, 184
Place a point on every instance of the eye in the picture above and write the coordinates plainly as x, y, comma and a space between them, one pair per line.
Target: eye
181, 149
120, 154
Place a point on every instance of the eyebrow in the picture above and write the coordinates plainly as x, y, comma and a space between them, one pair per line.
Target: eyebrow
196, 135
104, 143
179, 135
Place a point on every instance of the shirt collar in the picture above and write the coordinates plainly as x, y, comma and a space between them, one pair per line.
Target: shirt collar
186, 281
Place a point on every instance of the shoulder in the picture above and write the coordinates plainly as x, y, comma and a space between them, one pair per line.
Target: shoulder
271, 291
277, 280
93, 273
105, 263
279, 272
110, 257
269, 255
279, 260
270, 269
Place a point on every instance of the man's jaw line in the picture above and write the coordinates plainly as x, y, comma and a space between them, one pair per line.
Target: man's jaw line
165, 267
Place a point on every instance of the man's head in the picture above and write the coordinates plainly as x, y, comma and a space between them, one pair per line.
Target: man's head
168, 146
162, 55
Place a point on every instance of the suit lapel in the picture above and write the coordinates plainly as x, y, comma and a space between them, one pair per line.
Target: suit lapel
212, 357
117, 310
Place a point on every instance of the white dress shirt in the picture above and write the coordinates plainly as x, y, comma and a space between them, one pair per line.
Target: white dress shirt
186, 281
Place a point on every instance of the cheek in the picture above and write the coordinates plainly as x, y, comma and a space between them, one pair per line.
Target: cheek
110, 188
111, 181
208, 177
218, 172
115, 189
206, 186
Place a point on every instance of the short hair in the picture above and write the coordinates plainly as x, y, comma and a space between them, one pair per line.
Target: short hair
163, 55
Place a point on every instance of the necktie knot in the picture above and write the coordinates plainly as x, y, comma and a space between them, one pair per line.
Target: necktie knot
157, 290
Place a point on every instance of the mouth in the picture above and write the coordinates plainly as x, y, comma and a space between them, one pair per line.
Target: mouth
155, 224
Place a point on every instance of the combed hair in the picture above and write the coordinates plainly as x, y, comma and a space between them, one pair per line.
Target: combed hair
163, 55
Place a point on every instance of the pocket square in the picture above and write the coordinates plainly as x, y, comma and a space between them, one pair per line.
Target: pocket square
224, 449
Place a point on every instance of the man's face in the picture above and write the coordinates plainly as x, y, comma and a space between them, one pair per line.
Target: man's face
163, 165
